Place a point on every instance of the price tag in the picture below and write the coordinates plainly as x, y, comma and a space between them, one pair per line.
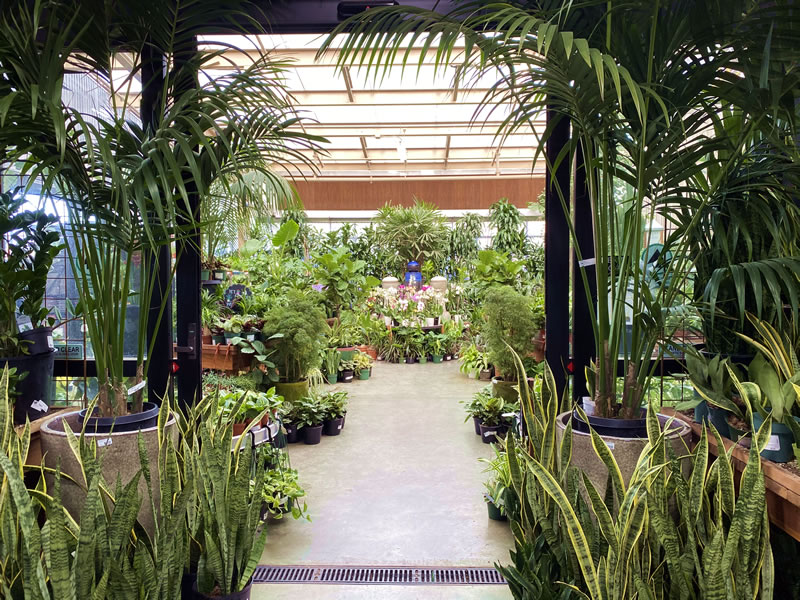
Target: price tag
50, 342
104, 443
610, 445
587, 262
40, 406
137, 387
251, 337
774, 443
24, 323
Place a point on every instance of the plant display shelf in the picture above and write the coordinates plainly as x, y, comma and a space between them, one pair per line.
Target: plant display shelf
782, 485
258, 435
224, 357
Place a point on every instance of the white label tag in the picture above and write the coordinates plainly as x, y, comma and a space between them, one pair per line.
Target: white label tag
587, 262
339, 427
40, 406
104, 443
610, 445
137, 387
24, 323
50, 342
489, 433
251, 337
774, 443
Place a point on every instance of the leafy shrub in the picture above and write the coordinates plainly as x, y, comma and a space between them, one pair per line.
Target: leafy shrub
509, 322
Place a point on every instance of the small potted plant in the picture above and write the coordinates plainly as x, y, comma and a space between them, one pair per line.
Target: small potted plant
436, 343
233, 327
494, 423
311, 415
363, 365
499, 487
332, 360
281, 492
335, 409
474, 407
290, 418
347, 369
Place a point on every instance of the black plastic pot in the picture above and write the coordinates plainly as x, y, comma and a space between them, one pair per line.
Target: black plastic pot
143, 420
346, 376
411, 360
34, 394
312, 434
292, 433
492, 433
332, 426
40, 341
244, 594
476, 421
621, 428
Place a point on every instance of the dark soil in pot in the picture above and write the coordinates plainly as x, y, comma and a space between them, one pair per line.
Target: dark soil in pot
333, 426
622, 428
133, 422
312, 434
292, 433
492, 433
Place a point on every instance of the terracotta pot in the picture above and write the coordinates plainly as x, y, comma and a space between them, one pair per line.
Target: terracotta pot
539, 345
370, 351
238, 428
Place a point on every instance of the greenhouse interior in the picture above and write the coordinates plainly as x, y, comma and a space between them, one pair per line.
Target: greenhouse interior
548, 250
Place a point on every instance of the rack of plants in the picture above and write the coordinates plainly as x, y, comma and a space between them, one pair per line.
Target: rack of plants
224, 357
783, 485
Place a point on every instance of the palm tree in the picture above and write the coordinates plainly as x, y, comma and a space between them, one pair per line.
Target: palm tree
644, 86
126, 186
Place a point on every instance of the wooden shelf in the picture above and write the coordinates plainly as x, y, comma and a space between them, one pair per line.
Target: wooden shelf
782, 485
224, 357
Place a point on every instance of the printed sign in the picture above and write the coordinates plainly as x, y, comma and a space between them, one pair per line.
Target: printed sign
68, 351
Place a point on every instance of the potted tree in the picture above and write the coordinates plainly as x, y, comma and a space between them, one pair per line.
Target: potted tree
295, 333
31, 242
510, 322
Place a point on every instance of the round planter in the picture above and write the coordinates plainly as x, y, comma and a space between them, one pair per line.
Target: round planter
436, 358
119, 452
243, 594
495, 514
718, 417
370, 351
363, 374
218, 339
40, 340
623, 428
238, 428
476, 421
492, 433
410, 360
218, 274
292, 433
423, 360
133, 422
332, 426
779, 447
312, 434
507, 390
331, 378
626, 451
35, 393
347, 376
292, 392
347, 353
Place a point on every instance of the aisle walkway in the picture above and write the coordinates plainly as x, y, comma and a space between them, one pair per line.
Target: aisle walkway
401, 486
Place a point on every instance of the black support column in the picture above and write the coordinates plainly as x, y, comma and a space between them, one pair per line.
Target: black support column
582, 332
160, 358
187, 288
557, 249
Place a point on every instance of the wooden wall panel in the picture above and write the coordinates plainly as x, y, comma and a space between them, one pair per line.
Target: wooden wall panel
472, 193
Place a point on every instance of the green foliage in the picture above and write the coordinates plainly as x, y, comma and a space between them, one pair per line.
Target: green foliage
472, 359
343, 279
496, 268
282, 487
462, 242
510, 236
415, 233
30, 243
334, 404
510, 323
711, 378
310, 411
301, 327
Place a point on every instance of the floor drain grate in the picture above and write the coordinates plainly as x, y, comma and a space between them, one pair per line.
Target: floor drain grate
379, 575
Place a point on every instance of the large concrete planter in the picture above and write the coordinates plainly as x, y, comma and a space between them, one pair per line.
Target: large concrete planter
120, 458
626, 451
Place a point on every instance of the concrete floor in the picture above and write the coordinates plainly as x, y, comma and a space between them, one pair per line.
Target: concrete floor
400, 486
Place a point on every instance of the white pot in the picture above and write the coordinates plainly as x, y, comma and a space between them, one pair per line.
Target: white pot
430, 321
387, 320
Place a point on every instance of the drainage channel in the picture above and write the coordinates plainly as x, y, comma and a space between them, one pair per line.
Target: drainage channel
373, 575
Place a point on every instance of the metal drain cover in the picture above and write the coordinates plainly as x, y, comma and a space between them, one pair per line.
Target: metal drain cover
373, 575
